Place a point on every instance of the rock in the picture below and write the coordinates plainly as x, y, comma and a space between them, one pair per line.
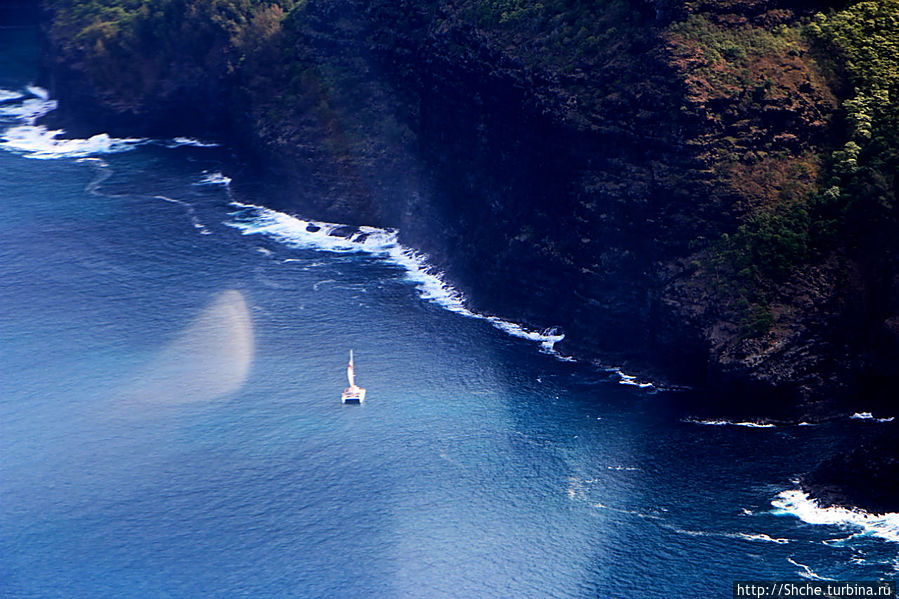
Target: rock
346, 232
866, 477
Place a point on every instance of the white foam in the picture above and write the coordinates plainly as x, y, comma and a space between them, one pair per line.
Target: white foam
870, 416
841, 541
28, 110
8, 94
745, 536
214, 179
798, 503
190, 212
760, 536
807, 572
298, 233
729, 423
36, 141
630, 379
190, 141
38, 92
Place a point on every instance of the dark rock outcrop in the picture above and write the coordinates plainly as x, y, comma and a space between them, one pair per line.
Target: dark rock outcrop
866, 477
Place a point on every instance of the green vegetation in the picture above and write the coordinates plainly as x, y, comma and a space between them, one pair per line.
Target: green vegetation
804, 199
862, 188
139, 48
748, 72
494, 12
571, 37
729, 60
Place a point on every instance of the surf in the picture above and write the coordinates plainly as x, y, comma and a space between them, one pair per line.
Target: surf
303, 234
798, 504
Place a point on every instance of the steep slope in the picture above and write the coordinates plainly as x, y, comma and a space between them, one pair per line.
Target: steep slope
671, 182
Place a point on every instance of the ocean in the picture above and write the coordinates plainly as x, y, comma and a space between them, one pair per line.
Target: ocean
171, 426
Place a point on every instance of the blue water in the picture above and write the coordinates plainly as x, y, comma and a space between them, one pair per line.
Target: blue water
170, 423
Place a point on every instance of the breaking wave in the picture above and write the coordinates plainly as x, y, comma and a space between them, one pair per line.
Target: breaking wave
729, 423
36, 141
189, 141
38, 92
27, 106
797, 503
215, 178
297, 233
7, 95
632, 380
870, 416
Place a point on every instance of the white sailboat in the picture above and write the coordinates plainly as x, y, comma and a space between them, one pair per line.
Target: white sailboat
353, 393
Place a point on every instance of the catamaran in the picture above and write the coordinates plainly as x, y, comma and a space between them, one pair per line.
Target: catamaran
353, 393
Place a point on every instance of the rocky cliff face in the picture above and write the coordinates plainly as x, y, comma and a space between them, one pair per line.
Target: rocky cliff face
553, 194
608, 169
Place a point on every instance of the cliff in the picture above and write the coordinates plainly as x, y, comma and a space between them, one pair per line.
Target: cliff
704, 190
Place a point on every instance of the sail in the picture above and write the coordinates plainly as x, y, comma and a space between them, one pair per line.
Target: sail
349, 371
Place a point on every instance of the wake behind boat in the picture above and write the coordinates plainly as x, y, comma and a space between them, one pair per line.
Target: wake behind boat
353, 393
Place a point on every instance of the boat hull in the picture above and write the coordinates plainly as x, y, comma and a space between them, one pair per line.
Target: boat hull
351, 395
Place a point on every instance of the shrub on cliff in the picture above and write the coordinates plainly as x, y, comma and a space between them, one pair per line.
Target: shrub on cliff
751, 71
863, 188
141, 50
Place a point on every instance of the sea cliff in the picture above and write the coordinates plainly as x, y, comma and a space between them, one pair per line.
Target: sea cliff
703, 190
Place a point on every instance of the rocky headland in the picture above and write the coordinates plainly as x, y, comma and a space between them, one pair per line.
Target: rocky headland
866, 477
